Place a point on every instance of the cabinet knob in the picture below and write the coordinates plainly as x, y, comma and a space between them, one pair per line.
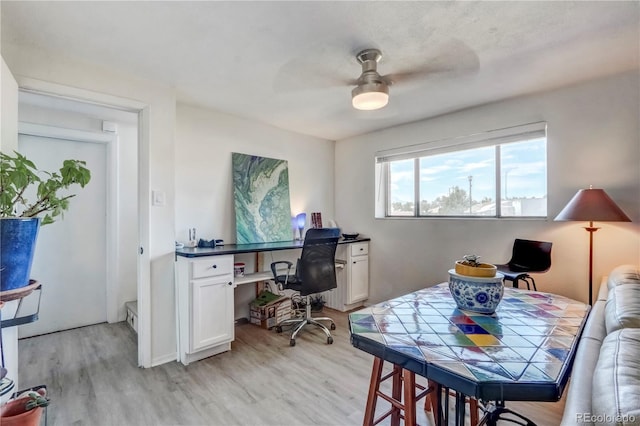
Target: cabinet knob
214, 266
361, 249
354, 262
230, 283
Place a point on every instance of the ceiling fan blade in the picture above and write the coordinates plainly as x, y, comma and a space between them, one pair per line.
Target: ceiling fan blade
451, 58
286, 82
323, 66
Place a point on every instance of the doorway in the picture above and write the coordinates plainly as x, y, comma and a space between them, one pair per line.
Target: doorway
88, 261
71, 255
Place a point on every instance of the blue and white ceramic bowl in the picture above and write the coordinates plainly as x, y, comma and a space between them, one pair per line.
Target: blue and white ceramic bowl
476, 294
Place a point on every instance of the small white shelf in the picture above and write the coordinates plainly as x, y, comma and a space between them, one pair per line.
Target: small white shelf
253, 277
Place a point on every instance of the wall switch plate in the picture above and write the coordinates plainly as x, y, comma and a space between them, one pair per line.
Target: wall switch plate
158, 198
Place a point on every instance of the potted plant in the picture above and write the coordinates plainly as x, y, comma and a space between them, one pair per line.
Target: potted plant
29, 198
476, 286
25, 410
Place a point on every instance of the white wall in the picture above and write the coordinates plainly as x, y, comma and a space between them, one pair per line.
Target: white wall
205, 140
8, 110
156, 165
593, 139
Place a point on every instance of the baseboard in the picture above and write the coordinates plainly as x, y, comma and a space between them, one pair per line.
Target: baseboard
163, 359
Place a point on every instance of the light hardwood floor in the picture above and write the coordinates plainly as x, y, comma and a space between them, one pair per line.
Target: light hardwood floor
92, 379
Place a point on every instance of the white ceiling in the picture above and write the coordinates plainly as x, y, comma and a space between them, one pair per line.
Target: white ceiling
289, 64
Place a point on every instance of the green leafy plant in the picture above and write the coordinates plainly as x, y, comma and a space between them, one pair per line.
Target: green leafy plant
18, 174
471, 260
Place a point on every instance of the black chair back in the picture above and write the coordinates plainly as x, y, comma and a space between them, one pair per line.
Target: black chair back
530, 256
316, 268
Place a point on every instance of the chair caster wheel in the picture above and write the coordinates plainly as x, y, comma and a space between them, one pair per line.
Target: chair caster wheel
278, 329
333, 326
292, 342
329, 340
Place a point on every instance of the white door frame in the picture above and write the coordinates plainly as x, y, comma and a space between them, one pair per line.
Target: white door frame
144, 262
112, 223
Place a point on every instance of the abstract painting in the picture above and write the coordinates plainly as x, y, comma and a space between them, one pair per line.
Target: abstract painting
261, 195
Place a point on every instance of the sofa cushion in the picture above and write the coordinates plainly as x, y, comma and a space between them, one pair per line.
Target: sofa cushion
616, 380
624, 274
623, 308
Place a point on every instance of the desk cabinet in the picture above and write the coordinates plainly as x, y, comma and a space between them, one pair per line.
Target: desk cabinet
204, 291
358, 276
211, 312
353, 277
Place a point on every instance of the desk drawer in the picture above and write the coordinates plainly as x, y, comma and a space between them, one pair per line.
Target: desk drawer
212, 266
359, 249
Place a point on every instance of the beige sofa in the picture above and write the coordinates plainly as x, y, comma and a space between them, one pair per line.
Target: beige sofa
605, 379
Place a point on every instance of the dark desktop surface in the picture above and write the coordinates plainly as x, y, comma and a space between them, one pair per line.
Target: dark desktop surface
252, 248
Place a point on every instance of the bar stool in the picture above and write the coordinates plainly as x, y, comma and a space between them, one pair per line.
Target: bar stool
403, 388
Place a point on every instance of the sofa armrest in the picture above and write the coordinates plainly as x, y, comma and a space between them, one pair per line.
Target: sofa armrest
579, 395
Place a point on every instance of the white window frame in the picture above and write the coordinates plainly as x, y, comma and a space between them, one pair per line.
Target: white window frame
490, 138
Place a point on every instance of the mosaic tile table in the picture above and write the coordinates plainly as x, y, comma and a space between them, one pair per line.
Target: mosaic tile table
523, 352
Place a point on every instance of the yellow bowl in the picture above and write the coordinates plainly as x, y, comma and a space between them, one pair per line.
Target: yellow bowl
484, 270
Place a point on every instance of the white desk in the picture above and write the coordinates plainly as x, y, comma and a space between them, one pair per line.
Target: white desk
205, 290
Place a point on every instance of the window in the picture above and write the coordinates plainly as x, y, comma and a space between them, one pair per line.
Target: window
502, 173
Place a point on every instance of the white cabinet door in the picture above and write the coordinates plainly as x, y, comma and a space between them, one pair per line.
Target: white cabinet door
359, 286
211, 312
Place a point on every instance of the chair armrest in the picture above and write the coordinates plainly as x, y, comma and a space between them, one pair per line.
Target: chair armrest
274, 268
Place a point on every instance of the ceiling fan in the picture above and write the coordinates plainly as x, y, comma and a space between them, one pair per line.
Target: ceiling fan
372, 89
415, 64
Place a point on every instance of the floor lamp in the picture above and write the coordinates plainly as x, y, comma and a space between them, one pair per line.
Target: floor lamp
589, 205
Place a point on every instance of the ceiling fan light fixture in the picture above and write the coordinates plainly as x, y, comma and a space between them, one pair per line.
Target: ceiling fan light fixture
370, 96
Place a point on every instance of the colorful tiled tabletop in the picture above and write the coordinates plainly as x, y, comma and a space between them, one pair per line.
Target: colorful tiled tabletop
523, 352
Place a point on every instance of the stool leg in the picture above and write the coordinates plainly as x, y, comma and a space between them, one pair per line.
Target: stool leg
473, 411
431, 401
374, 385
409, 379
396, 393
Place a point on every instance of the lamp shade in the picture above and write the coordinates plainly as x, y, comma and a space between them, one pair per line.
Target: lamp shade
301, 220
592, 205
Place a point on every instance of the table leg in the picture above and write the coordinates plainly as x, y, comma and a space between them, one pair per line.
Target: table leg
460, 409
496, 413
446, 406
437, 413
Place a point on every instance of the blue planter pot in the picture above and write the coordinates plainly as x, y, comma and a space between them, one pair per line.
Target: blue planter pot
476, 294
17, 245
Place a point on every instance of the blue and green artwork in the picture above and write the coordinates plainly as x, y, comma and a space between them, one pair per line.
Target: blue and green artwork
261, 195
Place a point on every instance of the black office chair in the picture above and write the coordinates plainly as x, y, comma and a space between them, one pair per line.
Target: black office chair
527, 256
315, 272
